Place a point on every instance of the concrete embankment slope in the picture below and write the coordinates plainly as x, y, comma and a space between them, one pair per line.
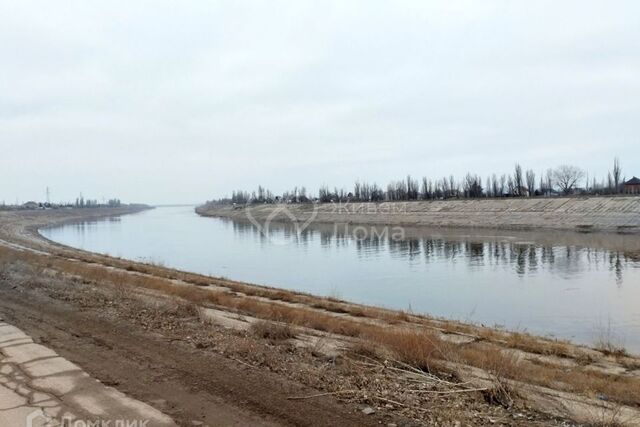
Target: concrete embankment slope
616, 214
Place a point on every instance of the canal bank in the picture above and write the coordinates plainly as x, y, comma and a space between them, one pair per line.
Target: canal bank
563, 284
604, 213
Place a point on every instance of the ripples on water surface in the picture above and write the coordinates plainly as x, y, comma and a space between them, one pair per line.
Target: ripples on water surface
568, 285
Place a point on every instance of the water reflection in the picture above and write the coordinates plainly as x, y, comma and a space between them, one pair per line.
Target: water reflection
522, 256
90, 226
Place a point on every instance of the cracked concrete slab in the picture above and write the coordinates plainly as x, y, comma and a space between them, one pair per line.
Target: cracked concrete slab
38, 388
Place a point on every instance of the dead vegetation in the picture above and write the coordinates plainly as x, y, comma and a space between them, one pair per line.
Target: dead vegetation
613, 418
412, 346
608, 343
272, 331
532, 344
419, 349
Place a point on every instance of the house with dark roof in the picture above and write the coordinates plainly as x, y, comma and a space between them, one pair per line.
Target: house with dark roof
632, 186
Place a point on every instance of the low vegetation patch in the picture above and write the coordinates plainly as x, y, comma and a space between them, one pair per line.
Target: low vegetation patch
272, 330
420, 349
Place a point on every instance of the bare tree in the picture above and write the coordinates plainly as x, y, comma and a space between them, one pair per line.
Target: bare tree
531, 182
453, 186
357, 191
377, 194
302, 195
518, 182
586, 180
472, 186
365, 191
413, 189
444, 188
426, 192
566, 177
324, 194
495, 186
617, 174
550, 180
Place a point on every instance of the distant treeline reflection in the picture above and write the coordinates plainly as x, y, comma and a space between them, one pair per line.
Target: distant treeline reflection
524, 257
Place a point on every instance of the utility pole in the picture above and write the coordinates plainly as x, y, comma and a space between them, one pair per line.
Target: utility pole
48, 196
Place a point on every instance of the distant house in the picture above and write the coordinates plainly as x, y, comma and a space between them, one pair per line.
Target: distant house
30, 205
632, 186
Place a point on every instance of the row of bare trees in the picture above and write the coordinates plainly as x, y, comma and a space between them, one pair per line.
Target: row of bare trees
262, 195
565, 179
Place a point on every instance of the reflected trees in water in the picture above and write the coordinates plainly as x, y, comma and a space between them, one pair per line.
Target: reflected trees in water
524, 258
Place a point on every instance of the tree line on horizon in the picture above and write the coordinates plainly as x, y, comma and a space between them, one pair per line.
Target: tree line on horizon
79, 203
565, 180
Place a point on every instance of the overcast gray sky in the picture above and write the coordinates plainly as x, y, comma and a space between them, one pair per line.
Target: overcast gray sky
183, 101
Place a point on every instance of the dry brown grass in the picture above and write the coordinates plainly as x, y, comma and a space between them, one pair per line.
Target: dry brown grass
365, 348
531, 344
502, 366
123, 290
505, 364
608, 342
420, 349
609, 418
184, 309
608, 348
621, 389
272, 330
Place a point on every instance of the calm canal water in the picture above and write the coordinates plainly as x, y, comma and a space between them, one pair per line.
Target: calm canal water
566, 285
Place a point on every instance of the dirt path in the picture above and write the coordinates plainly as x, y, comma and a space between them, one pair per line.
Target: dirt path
174, 378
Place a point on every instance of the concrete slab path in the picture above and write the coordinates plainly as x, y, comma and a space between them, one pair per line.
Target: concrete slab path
38, 388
